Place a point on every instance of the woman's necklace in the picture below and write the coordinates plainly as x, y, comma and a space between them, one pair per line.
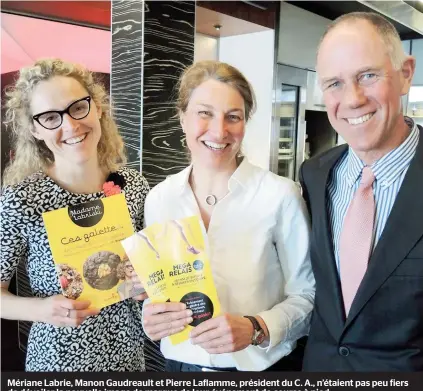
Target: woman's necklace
211, 200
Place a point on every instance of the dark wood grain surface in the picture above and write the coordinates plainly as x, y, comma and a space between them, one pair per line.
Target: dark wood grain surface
168, 49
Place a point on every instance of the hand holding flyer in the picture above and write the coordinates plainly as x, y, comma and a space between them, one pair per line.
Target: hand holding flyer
171, 261
90, 260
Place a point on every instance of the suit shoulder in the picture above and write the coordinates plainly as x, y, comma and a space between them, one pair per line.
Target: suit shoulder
316, 161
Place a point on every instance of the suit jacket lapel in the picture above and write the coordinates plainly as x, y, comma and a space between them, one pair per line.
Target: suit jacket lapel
402, 231
323, 238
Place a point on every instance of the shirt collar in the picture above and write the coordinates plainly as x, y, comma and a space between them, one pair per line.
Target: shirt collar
387, 169
354, 167
239, 177
182, 179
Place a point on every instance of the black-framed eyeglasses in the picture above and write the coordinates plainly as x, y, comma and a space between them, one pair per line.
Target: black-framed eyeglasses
53, 119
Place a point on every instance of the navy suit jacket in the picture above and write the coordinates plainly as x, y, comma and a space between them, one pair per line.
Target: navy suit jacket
384, 328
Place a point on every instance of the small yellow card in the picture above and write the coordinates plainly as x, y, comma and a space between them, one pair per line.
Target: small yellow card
90, 260
172, 263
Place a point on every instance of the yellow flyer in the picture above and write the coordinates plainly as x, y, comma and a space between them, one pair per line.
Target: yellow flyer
90, 260
172, 263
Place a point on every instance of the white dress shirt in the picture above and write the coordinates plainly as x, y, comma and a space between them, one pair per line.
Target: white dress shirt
258, 244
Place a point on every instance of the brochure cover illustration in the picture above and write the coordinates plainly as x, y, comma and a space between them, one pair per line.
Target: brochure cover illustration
90, 260
172, 263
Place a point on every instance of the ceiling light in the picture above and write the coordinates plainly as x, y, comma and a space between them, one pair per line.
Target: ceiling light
217, 27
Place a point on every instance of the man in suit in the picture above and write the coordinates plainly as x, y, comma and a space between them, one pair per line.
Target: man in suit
365, 199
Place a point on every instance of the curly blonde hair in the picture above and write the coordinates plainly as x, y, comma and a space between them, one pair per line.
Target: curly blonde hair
32, 155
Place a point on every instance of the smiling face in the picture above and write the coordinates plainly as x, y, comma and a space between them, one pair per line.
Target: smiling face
362, 90
74, 141
214, 123
129, 270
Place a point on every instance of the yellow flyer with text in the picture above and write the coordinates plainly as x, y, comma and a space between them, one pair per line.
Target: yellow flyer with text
90, 260
172, 263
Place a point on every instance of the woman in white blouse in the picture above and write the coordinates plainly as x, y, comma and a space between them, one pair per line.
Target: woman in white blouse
258, 234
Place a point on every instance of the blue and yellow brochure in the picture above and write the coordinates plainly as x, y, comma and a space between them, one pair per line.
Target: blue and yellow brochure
172, 263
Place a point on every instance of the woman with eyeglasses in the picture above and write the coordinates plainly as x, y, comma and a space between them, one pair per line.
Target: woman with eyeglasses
67, 147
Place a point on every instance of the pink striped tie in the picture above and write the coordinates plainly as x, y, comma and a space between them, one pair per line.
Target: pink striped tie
356, 238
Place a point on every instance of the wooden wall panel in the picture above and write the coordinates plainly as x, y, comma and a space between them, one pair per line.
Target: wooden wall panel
264, 14
168, 49
126, 76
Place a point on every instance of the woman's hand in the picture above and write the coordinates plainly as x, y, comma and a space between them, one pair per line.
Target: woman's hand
60, 311
224, 334
163, 319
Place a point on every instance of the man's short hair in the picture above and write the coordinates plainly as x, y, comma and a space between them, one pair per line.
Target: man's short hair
384, 27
